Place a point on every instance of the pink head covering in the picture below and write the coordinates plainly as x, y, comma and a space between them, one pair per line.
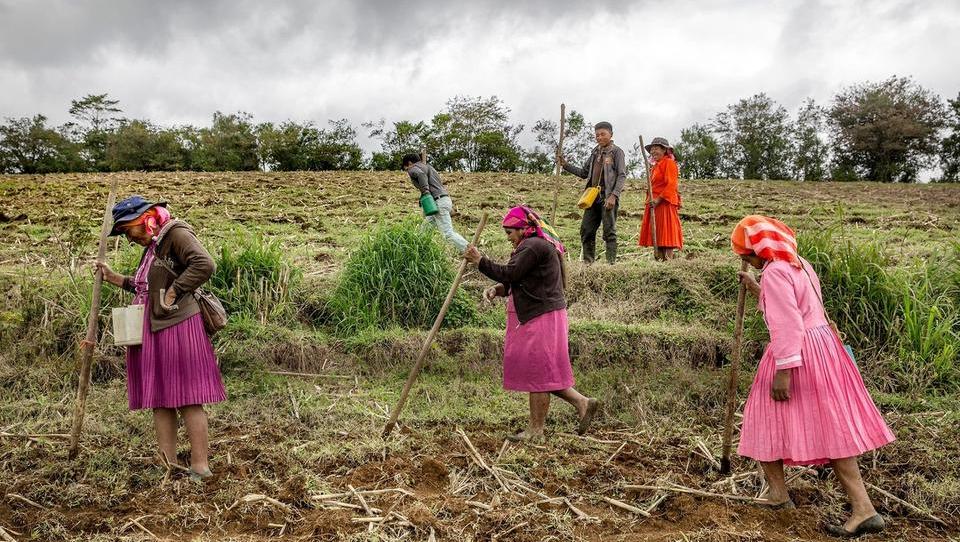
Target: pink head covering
524, 218
152, 219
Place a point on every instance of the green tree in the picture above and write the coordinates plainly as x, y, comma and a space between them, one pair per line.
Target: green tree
28, 145
404, 136
886, 131
578, 139
139, 145
754, 136
812, 152
295, 147
475, 134
229, 144
698, 153
95, 112
470, 134
537, 161
338, 147
950, 146
497, 151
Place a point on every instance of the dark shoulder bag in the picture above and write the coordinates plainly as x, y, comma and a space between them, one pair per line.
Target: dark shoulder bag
214, 315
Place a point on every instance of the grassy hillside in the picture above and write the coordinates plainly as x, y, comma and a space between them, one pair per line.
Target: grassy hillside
650, 339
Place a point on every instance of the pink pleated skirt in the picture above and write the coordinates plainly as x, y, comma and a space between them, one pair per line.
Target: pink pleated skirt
829, 415
174, 367
536, 355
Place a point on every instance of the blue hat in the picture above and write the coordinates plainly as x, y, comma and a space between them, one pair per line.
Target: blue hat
129, 209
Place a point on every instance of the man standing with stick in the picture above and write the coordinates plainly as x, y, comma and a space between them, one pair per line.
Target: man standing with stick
606, 168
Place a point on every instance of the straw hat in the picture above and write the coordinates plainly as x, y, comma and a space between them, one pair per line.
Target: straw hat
662, 141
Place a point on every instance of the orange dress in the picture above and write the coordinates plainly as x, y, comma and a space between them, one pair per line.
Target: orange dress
664, 182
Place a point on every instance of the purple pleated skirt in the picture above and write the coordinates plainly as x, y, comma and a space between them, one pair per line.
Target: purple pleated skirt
174, 367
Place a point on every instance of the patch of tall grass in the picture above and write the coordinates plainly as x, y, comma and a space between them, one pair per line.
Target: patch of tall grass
398, 275
857, 291
908, 317
254, 279
43, 316
929, 346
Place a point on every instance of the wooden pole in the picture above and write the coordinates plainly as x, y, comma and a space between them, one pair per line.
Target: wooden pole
732, 382
422, 356
423, 154
653, 210
87, 346
558, 168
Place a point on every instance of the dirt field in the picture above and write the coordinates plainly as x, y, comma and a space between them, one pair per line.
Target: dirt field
288, 452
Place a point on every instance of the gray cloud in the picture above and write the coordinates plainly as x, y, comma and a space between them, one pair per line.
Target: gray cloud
653, 67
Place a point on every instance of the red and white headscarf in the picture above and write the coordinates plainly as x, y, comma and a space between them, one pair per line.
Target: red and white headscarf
766, 237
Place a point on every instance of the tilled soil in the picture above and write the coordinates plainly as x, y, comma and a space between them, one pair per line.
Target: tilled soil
554, 491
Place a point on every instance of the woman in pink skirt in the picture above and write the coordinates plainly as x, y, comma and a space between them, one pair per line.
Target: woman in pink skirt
808, 404
536, 357
175, 369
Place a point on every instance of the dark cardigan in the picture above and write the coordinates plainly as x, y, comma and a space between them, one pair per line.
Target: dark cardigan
180, 263
534, 275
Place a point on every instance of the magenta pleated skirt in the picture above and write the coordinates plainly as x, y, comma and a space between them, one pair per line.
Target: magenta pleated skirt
174, 367
829, 415
536, 355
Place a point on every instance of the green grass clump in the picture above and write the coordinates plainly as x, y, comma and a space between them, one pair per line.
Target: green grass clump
254, 279
399, 275
909, 317
857, 292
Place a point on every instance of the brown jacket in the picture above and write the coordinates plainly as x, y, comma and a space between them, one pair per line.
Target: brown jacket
180, 263
534, 275
613, 176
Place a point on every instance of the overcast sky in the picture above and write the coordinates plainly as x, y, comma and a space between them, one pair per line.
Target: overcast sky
648, 67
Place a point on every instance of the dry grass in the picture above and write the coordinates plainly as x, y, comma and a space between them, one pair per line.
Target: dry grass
280, 441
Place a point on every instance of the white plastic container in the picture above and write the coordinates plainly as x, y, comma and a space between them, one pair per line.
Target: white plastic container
128, 325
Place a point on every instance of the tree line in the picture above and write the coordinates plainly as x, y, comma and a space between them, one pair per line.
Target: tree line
885, 131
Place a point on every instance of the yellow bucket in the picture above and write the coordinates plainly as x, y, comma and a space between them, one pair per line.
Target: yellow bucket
589, 197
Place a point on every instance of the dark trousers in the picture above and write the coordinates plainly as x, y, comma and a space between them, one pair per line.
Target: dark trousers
592, 219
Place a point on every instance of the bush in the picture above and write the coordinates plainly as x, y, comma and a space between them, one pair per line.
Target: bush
910, 318
254, 279
856, 290
399, 275
930, 345
929, 353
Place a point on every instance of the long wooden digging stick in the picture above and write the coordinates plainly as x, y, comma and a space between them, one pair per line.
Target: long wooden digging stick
732, 383
556, 189
87, 346
415, 371
653, 210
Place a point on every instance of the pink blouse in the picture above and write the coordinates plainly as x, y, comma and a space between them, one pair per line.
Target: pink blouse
790, 301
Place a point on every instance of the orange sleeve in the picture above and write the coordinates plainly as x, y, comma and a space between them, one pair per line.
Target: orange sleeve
666, 181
